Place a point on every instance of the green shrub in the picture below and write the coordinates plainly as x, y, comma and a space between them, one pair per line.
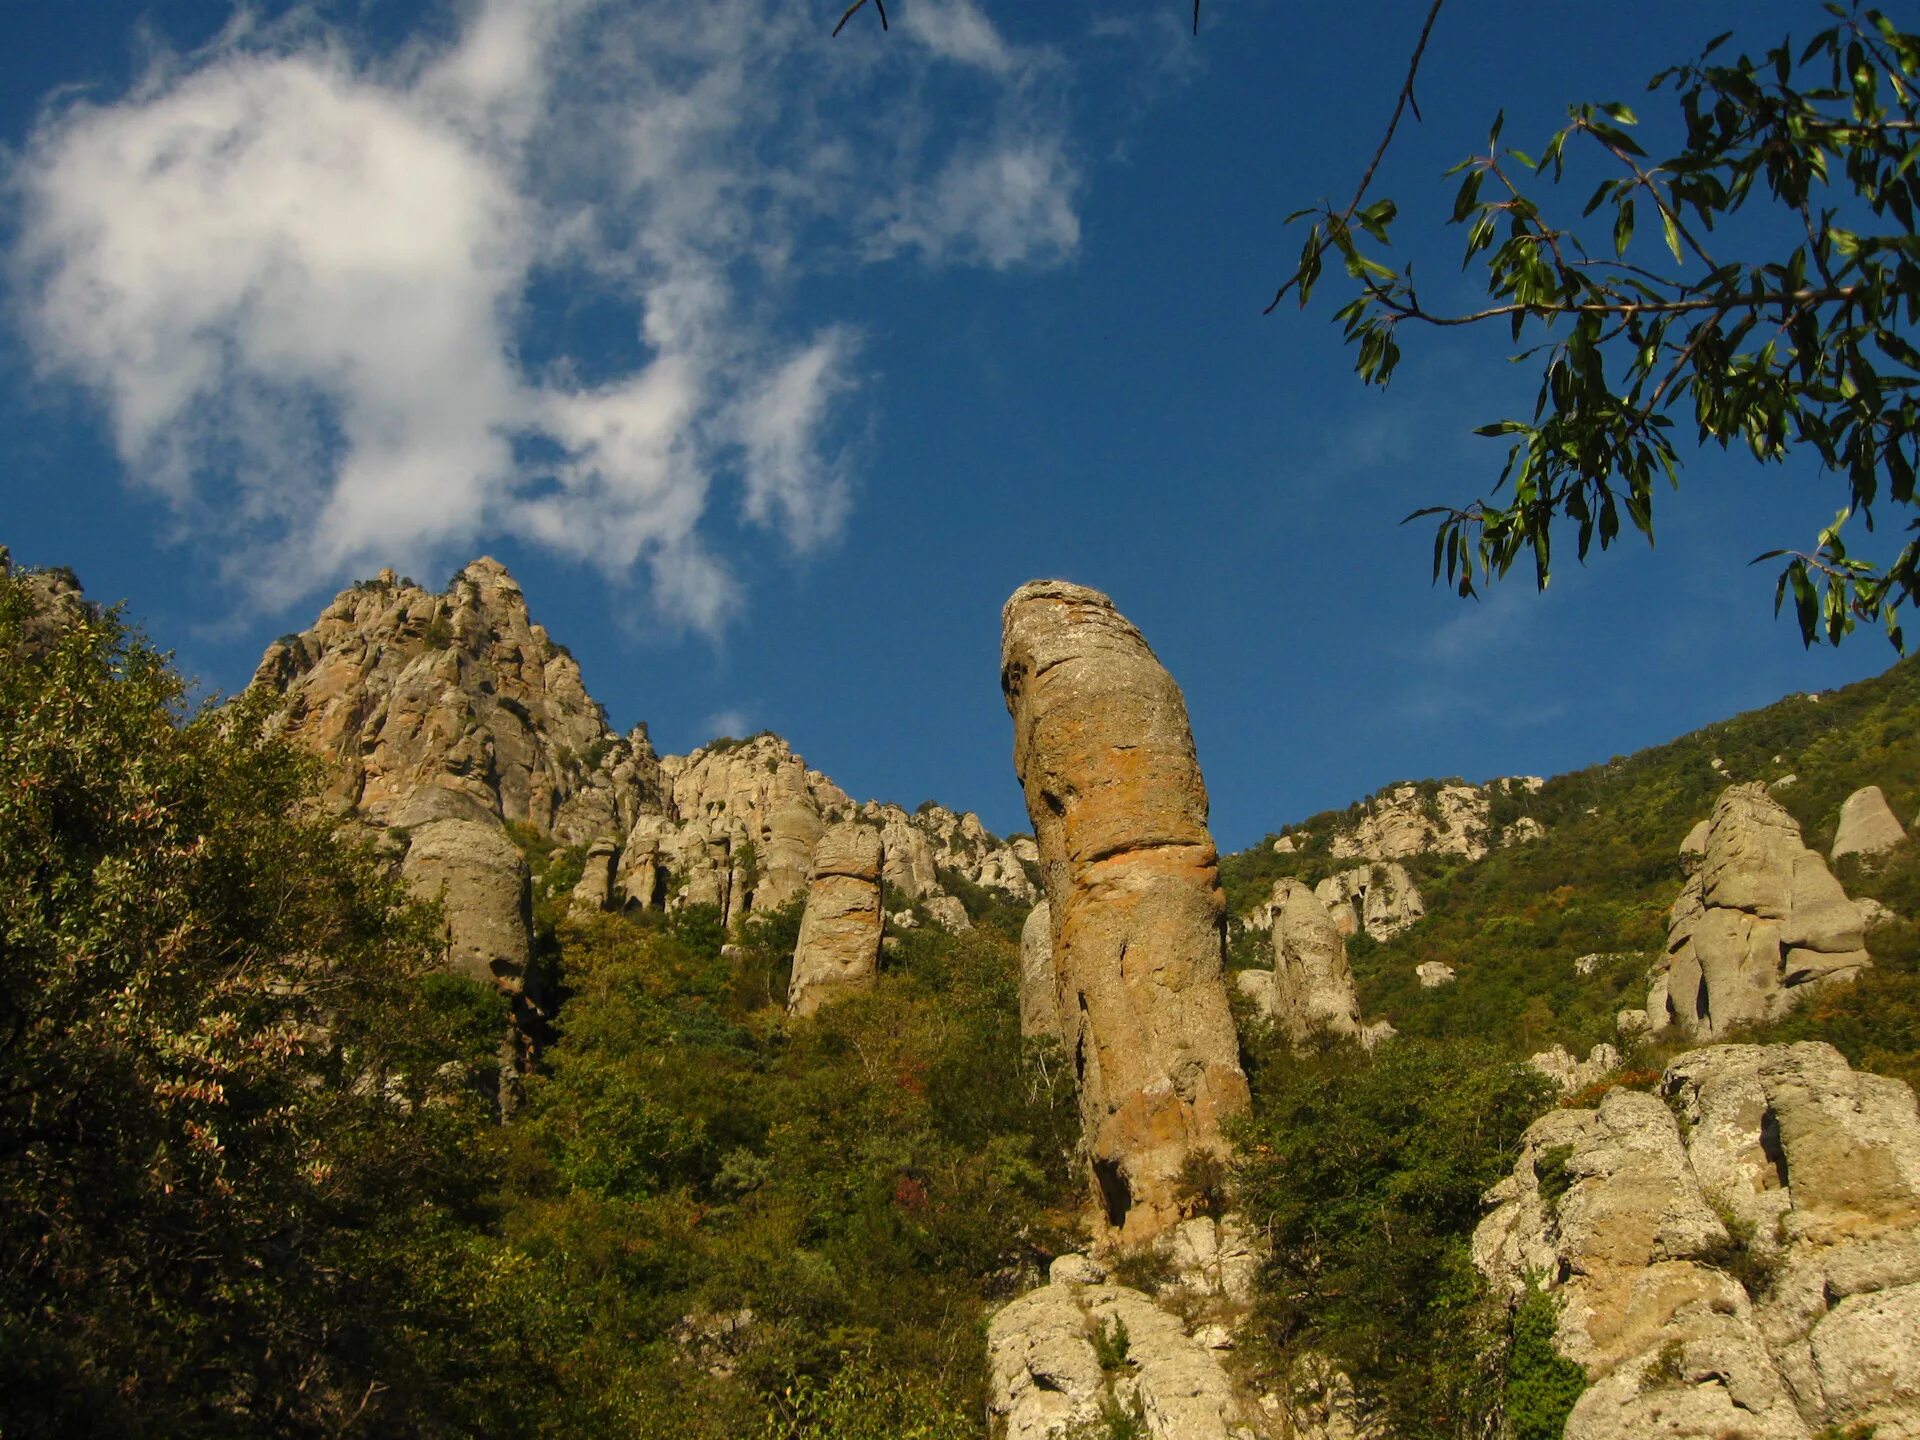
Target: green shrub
1541, 1385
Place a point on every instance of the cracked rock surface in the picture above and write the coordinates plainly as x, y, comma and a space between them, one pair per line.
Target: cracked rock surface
1738, 1254
1105, 756
1760, 924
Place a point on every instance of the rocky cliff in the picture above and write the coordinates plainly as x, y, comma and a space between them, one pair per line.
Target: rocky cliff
458, 706
1738, 1254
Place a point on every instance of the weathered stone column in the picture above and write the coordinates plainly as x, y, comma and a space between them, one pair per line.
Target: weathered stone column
839, 945
1103, 749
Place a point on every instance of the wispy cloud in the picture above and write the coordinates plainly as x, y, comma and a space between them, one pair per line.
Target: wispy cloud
300, 277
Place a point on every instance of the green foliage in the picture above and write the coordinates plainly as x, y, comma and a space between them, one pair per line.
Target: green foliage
1755, 1270
862, 1182
1541, 1385
1604, 873
234, 1169
1550, 1172
1806, 343
1367, 1171
864, 1400
1111, 1342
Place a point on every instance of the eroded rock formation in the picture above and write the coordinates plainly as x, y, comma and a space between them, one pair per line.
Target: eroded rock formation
1758, 926
1311, 993
1105, 756
1039, 1000
480, 878
1743, 1258
1379, 900
839, 945
1449, 818
456, 706
1867, 825
1046, 1379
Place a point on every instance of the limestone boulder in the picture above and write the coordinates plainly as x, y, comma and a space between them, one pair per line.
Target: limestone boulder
1432, 974
1570, 1074
1757, 927
480, 879
1867, 825
838, 951
948, 913
1105, 756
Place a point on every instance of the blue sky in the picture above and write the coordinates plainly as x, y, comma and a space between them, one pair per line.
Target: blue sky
772, 363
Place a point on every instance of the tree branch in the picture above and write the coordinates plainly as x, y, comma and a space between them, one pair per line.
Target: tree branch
1399, 107
881, 5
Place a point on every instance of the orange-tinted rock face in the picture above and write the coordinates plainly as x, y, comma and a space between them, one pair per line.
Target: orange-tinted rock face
1103, 749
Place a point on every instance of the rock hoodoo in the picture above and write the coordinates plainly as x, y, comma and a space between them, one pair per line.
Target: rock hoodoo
1867, 825
1758, 926
839, 946
1103, 750
1742, 1259
1311, 993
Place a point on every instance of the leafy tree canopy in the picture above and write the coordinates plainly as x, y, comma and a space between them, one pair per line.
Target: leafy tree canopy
1773, 308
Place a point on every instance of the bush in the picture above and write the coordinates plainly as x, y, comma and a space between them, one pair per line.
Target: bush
1367, 1171
232, 1173
1541, 1386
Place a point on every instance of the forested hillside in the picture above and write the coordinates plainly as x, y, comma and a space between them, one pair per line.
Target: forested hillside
1600, 879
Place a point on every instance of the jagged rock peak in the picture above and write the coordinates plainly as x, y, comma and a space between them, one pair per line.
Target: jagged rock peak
456, 706
1105, 756
53, 597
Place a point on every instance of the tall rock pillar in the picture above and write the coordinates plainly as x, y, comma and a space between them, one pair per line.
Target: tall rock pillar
1104, 752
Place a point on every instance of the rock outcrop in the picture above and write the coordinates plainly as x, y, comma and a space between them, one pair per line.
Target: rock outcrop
1432, 974
1741, 1259
1105, 756
839, 945
1379, 900
480, 878
456, 706
53, 596
1047, 1379
1449, 818
1867, 825
1759, 925
1571, 1075
1312, 990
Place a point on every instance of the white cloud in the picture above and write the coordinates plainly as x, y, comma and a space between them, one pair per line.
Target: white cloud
299, 277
